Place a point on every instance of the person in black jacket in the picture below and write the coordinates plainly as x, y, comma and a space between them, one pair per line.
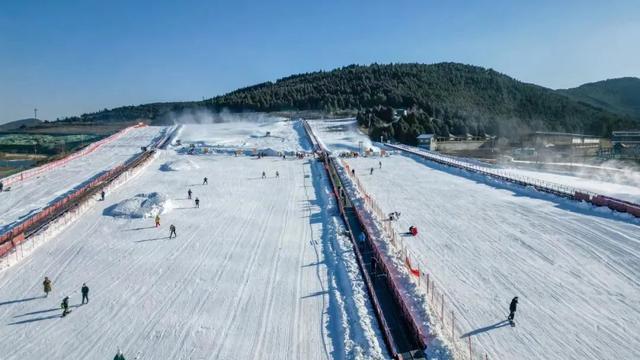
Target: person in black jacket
65, 306
512, 308
85, 293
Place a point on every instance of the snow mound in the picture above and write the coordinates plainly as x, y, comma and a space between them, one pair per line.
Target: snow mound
177, 165
141, 206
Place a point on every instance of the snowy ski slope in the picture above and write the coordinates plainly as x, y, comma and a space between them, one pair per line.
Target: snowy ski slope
575, 271
619, 191
341, 135
259, 271
30, 195
242, 134
575, 268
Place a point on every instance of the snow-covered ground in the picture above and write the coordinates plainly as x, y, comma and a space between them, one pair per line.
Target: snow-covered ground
29, 196
575, 268
609, 188
260, 271
284, 135
576, 272
624, 185
341, 135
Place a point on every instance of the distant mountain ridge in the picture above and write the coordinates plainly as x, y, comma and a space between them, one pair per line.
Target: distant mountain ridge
621, 96
17, 124
443, 98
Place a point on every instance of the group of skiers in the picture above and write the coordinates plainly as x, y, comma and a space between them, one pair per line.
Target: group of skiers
172, 228
197, 201
64, 305
264, 174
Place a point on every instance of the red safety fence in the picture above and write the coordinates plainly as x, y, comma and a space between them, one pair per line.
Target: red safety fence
406, 304
540, 185
377, 309
22, 228
17, 233
440, 306
27, 174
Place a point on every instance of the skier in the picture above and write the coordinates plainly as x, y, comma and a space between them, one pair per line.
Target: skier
85, 293
65, 306
371, 172
197, 202
413, 230
379, 164
353, 172
264, 175
189, 194
102, 195
119, 356
205, 181
512, 310
158, 220
47, 286
172, 231
277, 174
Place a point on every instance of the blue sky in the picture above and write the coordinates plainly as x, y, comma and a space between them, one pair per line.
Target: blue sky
69, 57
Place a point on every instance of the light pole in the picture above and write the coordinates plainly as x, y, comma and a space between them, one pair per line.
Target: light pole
35, 113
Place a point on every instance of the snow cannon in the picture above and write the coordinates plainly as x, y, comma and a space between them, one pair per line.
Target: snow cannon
413, 230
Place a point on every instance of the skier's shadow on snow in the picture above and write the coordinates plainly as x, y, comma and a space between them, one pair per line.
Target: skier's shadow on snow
36, 319
45, 311
39, 318
20, 300
37, 312
497, 325
154, 239
140, 228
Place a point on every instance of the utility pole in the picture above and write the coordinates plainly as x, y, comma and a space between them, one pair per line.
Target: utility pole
35, 113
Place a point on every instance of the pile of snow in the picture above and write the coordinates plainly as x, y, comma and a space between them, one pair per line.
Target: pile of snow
140, 206
177, 165
272, 136
342, 134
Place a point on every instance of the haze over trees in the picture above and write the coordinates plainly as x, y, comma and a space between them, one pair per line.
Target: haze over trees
444, 98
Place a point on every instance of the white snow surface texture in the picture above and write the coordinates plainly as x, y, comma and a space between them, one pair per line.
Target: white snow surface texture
140, 206
260, 271
29, 196
574, 267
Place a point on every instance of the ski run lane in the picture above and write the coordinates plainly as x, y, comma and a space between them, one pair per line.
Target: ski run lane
27, 197
260, 271
575, 269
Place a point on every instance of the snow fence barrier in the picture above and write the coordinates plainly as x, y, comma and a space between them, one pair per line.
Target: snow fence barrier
388, 269
27, 174
386, 332
540, 185
21, 243
439, 305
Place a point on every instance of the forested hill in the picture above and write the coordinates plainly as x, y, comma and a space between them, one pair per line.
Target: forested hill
444, 98
621, 95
